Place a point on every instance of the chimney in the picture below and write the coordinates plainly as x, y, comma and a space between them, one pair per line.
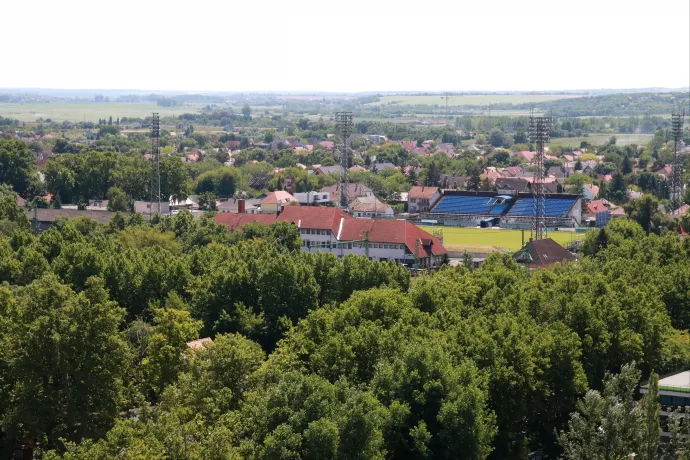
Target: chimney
240, 206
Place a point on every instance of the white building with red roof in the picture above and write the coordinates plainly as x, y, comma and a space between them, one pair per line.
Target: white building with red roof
275, 200
422, 198
329, 229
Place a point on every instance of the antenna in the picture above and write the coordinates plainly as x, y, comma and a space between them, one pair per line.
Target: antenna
344, 127
677, 169
155, 164
539, 130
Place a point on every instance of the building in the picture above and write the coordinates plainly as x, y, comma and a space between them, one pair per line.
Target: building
378, 167
422, 199
590, 191
512, 185
329, 229
353, 191
275, 200
674, 392
313, 198
543, 253
336, 169
240, 205
469, 209
144, 207
46, 217
370, 206
454, 182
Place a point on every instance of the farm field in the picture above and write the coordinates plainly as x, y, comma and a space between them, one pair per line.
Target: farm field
600, 139
470, 99
88, 111
488, 240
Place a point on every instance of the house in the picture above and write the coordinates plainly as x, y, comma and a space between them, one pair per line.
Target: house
512, 171
335, 169
370, 206
145, 207
683, 209
633, 195
310, 198
328, 145
97, 205
200, 343
421, 151
46, 217
556, 171
596, 206
422, 199
357, 168
378, 167
588, 166
590, 191
21, 202
329, 229
446, 149
239, 205
525, 155
543, 253
512, 185
665, 172
353, 191
275, 200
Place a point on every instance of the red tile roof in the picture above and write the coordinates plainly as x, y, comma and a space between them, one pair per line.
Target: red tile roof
279, 196
595, 206
345, 227
422, 192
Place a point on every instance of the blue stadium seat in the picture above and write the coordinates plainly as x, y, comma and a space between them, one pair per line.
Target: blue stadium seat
554, 207
500, 208
464, 204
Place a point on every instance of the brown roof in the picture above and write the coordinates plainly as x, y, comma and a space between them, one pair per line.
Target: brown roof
353, 191
234, 220
422, 192
278, 196
547, 252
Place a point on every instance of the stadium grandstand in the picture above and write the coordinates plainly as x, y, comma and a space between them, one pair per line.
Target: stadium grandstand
491, 209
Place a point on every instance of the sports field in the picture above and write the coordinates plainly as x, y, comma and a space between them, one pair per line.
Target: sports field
89, 111
470, 99
489, 240
600, 139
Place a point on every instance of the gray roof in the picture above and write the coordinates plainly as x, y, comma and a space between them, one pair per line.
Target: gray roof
51, 215
382, 166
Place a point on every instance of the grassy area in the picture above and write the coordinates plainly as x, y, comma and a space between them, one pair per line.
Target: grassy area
88, 111
600, 139
470, 99
485, 239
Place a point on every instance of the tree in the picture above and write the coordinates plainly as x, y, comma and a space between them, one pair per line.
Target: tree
609, 423
17, 165
645, 211
117, 200
246, 112
9, 209
207, 201
496, 138
65, 361
174, 178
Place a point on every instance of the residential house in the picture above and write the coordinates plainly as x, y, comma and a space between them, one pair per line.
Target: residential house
335, 169
512, 185
378, 167
543, 254
588, 167
451, 181
421, 151
370, 206
665, 172
145, 207
312, 198
46, 217
329, 229
556, 171
353, 191
525, 155
97, 205
357, 168
275, 200
328, 145
240, 205
446, 149
422, 198
590, 191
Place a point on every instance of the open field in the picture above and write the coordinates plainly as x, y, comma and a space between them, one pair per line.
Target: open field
88, 111
487, 239
471, 99
600, 139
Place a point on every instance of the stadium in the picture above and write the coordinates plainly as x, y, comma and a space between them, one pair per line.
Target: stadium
493, 209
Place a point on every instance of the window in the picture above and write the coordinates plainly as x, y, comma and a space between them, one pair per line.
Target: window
349, 245
385, 246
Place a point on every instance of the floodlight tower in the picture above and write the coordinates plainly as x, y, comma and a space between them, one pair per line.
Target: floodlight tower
446, 96
539, 130
155, 164
344, 127
677, 170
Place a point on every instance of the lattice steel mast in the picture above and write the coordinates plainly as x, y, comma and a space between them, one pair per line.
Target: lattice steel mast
539, 130
344, 127
155, 165
676, 194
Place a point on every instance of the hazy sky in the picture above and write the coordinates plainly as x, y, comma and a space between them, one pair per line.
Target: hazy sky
353, 45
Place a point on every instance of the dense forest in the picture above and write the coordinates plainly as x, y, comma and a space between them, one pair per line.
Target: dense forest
318, 357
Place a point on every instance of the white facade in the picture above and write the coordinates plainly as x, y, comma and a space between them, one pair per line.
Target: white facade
313, 197
144, 207
415, 205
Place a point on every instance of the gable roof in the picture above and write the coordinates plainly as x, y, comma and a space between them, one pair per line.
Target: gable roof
383, 166
422, 192
596, 206
545, 252
279, 196
335, 169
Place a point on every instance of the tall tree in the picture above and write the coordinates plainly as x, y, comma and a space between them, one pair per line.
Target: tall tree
17, 165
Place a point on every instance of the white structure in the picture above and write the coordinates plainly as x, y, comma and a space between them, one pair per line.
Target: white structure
144, 207
422, 199
370, 206
313, 197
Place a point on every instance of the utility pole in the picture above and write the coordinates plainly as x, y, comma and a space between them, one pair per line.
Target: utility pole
366, 243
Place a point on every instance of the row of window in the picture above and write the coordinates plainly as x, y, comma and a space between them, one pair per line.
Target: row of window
335, 245
314, 231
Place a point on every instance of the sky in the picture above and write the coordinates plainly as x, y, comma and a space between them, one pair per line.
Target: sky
348, 46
